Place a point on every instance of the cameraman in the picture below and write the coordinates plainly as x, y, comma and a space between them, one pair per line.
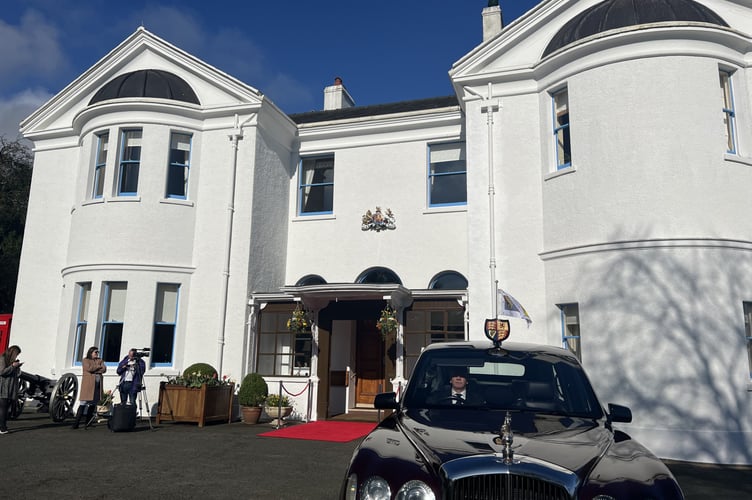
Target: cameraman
131, 370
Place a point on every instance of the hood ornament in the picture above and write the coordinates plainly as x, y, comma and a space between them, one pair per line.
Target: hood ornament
507, 438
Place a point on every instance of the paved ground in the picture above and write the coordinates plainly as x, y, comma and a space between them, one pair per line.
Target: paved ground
43, 460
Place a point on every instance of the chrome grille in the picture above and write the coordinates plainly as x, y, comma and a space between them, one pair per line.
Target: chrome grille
505, 487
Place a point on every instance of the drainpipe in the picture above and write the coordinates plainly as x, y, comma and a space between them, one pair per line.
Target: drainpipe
235, 136
489, 106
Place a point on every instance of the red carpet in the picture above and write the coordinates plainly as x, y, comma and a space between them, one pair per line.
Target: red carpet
324, 430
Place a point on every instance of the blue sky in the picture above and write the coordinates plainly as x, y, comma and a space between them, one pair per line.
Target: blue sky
385, 51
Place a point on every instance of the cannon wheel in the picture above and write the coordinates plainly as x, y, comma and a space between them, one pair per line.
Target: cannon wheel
63, 397
16, 408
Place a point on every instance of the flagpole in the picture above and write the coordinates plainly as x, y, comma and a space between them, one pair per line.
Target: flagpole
489, 106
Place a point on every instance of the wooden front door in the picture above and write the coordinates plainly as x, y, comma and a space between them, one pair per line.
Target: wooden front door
369, 362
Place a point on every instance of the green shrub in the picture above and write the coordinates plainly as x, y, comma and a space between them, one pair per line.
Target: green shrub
202, 368
253, 390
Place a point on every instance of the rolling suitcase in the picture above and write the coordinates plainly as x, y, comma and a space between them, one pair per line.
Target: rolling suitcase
123, 418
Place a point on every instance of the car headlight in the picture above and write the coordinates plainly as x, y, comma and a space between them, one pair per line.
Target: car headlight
415, 490
376, 488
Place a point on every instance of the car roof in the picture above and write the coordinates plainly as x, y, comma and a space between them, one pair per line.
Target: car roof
507, 346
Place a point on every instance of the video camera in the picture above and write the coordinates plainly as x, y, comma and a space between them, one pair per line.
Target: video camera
142, 353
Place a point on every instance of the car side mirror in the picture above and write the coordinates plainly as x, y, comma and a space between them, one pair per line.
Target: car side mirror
386, 401
619, 413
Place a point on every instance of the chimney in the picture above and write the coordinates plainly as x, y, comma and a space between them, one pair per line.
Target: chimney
492, 20
337, 97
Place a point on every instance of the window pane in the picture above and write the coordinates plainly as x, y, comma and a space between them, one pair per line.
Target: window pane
282, 352
163, 343
317, 185
84, 295
728, 111
167, 303
112, 338
99, 165
177, 172
266, 343
115, 302
570, 328
448, 189
561, 129
447, 174
130, 158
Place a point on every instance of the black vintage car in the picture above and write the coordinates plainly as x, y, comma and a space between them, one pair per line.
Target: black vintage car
530, 427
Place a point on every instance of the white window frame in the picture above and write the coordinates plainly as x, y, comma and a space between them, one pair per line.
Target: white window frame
571, 335
128, 167
747, 307
729, 111
182, 167
306, 186
165, 319
110, 321
446, 152
100, 165
562, 131
82, 312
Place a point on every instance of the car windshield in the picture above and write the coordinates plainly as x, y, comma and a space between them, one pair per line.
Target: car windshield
498, 379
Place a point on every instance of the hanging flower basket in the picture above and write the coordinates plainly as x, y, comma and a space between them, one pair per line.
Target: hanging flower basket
298, 322
387, 322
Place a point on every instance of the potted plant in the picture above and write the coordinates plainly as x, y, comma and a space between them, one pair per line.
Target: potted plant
197, 395
277, 406
253, 392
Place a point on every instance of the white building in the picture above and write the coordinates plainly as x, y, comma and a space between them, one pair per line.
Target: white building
595, 161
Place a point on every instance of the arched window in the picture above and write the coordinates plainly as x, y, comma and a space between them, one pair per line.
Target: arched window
311, 279
448, 280
378, 275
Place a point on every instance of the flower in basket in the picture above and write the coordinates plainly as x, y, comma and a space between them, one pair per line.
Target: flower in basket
197, 375
298, 322
387, 322
275, 400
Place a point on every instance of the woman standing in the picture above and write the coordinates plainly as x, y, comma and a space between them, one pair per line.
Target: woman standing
10, 370
91, 385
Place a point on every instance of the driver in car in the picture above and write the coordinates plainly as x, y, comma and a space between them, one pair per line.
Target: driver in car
457, 392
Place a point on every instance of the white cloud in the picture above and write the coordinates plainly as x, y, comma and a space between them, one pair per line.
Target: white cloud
31, 48
18, 107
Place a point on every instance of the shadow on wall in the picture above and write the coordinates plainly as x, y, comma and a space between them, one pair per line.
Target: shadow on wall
666, 336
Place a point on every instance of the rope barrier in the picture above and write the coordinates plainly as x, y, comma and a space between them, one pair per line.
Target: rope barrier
305, 388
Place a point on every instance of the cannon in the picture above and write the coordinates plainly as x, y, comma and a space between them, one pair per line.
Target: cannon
55, 396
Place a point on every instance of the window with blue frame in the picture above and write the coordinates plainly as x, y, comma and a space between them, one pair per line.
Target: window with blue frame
79, 343
570, 328
179, 166
316, 185
113, 319
130, 162
447, 174
100, 163
165, 324
729, 111
748, 332
562, 142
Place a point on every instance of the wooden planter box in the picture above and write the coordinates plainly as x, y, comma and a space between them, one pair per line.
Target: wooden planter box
178, 403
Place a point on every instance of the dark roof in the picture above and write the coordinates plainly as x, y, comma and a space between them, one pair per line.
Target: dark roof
375, 110
146, 83
615, 14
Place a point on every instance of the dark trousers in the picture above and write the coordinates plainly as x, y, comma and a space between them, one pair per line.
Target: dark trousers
127, 392
4, 409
